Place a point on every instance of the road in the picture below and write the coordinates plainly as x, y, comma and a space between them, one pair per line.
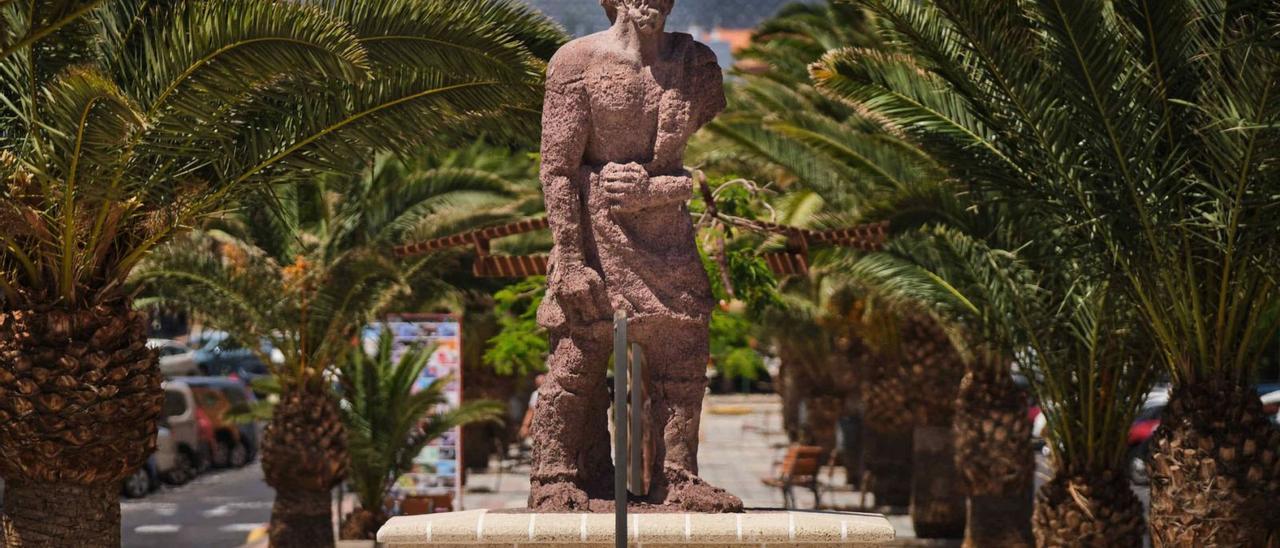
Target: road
217, 510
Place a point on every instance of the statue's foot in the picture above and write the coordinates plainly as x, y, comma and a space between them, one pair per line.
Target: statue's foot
693, 494
559, 497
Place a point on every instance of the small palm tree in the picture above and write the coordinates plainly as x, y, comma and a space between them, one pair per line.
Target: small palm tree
305, 275
389, 421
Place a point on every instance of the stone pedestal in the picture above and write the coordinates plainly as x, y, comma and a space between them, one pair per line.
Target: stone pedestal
757, 529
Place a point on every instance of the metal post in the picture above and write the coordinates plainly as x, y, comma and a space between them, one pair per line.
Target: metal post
620, 428
637, 420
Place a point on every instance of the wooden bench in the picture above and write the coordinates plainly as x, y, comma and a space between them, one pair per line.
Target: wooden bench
798, 468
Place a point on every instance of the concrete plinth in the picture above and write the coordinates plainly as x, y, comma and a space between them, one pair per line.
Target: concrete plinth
762, 528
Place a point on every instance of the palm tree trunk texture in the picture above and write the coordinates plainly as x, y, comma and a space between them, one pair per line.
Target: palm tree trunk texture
790, 389
994, 455
888, 458
79, 399
301, 518
1088, 510
937, 500
851, 426
933, 370
822, 413
888, 428
55, 515
362, 525
1215, 470
304, 455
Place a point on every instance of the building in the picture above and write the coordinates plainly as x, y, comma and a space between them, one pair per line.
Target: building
725, 25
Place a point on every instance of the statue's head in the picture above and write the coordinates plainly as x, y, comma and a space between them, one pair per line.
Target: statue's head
645, 15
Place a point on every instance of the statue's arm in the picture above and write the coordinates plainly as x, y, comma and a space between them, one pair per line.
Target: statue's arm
565, 128
709, 86
663, 190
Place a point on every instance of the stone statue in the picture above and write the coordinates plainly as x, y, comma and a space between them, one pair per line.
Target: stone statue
620, 107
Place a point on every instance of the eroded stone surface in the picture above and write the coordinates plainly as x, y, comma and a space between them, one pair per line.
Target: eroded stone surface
620, 108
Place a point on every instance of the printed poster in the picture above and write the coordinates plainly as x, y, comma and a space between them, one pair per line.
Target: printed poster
437, 468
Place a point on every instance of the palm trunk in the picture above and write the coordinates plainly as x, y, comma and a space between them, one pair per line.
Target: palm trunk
304, 456
790, 388
301, 518
79, 399
1002, 520
851, 428
888, 459
822, 413
887, 430
1215, 470
933, 370
363, 525
937, 499
994, 455
1095, 509
43, 514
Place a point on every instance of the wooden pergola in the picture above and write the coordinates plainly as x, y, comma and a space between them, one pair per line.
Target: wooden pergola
793, 260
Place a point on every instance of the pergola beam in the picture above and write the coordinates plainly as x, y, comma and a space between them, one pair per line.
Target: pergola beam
793, 261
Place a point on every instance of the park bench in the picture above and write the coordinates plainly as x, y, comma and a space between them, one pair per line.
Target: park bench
799, 468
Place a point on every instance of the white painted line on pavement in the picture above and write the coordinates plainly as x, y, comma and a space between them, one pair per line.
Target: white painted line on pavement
157, 529
240, 527
217, 511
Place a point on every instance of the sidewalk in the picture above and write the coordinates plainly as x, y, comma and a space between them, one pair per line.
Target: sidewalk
741, 438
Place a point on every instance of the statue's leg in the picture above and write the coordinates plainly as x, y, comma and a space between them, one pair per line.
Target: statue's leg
677, 362
570, 427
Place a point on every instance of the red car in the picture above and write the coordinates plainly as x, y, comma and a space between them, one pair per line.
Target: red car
1145, 424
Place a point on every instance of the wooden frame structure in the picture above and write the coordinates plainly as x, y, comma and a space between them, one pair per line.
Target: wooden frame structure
794, 260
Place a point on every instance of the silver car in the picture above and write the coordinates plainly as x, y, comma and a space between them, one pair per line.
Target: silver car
178, 453
176, 359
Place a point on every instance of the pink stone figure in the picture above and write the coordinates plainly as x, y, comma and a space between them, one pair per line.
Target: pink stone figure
620, 107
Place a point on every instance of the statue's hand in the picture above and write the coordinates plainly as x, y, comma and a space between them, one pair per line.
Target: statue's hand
626, 186
582, 289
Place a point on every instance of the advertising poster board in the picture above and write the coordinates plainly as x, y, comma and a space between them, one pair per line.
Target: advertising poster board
437, 469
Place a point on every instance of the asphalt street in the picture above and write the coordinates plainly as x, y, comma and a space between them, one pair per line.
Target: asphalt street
217, 510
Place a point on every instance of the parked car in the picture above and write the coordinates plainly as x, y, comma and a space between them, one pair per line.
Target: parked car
218, 354
176, 359
229, 443
174, 464
1140, 431
178, 452
143, 480
1271, 404
1038, 422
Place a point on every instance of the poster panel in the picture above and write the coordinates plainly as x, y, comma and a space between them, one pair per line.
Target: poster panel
437, 468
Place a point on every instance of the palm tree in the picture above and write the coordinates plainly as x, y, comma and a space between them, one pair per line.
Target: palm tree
23, 31
1145, 134
831, 158
389, 421
974, 288
132, 120
1091, 371
306, 275
816, 370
